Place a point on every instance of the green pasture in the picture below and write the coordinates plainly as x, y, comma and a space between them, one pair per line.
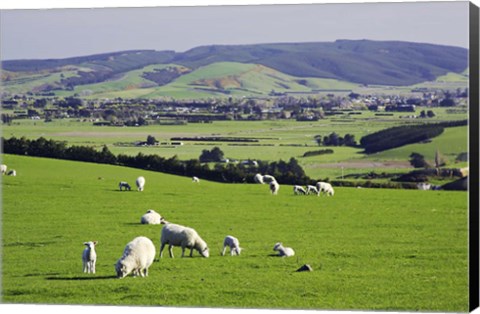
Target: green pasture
278, 140
371, 249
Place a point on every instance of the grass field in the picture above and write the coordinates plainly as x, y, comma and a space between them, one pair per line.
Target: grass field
371, 249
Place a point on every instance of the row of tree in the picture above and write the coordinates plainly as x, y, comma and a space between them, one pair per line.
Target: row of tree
285, 172
333, 139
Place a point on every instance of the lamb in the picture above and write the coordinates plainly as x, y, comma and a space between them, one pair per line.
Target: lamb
89, 257
151, 217
297, 190
124, 185
233, 244
185, 237
140, 182
312, 189
12, 173
325, 187
195, 180
258, 178
274, 187
137, 257
3, 169
283, 251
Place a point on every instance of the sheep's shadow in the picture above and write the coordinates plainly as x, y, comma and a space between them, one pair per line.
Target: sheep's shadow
81, 278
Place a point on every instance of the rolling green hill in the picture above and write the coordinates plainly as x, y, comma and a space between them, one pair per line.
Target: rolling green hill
245, 69
222, 78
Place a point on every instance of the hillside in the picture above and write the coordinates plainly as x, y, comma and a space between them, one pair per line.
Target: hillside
300, 64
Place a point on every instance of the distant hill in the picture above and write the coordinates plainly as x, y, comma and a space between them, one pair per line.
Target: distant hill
353, 61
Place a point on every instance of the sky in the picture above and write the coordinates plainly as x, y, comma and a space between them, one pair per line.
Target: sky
67, 32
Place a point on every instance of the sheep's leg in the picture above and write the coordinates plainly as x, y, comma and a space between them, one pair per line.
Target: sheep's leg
145, 272
170, 250
183, 251
161, 250
84, 267
224, 249
191, 252
93, 267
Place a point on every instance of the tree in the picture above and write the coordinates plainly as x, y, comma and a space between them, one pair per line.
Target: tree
215, 155
349, 140
418, 161
151, 140
439, 160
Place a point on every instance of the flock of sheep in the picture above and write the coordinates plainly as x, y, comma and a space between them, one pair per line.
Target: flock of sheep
324, 188
140, 253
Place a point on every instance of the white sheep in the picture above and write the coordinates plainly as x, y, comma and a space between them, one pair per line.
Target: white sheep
3, 169
233, 244
312, 189
124, 185
89, 257
297, 190
258, 178
283, 251
195, 180
137, 258
185, 237
140, 182
12, 173
151, 217
274, 187
325, 188
268, 178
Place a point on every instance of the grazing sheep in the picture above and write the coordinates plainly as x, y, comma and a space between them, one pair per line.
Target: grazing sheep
195, 180
297, 190
258, 178
124, 185
283, 251
325, 188
89, 257
185, 237
312, 189
268, 178
151, 217
12, 173
274, 187
140, 182
233, 244
3, 169
137, 258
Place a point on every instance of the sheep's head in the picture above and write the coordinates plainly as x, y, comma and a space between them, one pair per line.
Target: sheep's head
91, 244
237, 250
277, 246
121, 269
205, 252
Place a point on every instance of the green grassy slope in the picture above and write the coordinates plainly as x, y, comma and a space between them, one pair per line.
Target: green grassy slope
216, 79
371, 249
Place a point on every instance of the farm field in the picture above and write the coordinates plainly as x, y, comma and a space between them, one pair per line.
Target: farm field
278, 139
371, 249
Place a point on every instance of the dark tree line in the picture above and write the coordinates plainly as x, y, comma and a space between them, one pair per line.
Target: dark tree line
285, 172
333, 139
404, 135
